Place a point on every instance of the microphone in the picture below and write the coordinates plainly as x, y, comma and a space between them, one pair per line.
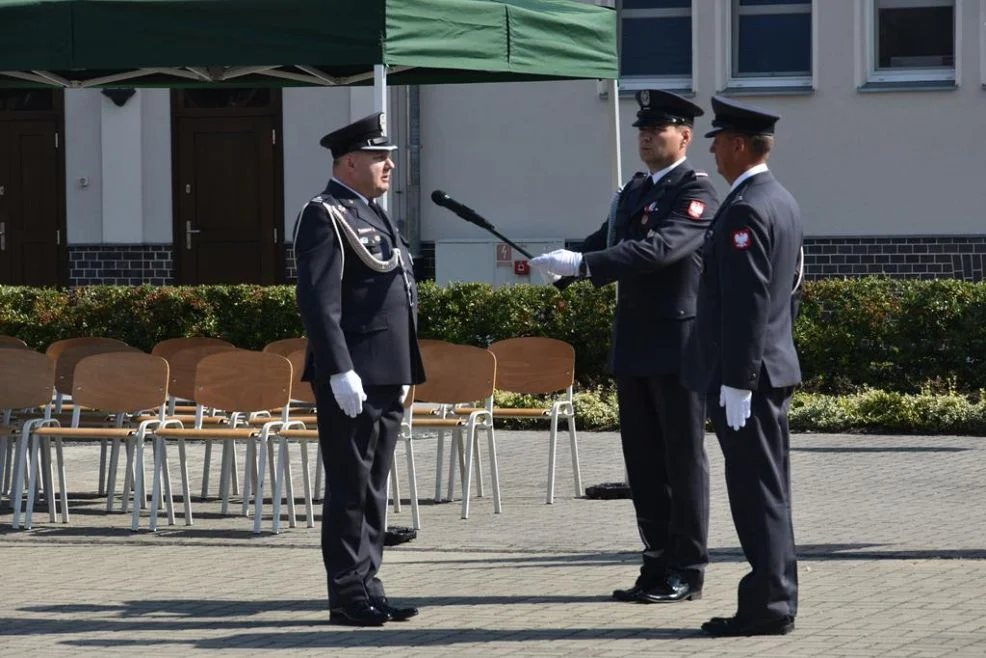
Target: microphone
463, 211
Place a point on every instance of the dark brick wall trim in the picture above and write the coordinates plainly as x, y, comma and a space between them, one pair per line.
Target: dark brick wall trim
131, 264
943, 257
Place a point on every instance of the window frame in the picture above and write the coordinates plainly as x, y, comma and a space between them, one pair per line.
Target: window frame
679, 83
944, 76
729, 18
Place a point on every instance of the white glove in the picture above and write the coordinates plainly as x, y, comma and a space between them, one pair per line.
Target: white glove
737, 403
405, 389
560, 261
348, 390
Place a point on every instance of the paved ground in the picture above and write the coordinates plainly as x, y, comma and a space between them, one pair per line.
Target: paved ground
891, 534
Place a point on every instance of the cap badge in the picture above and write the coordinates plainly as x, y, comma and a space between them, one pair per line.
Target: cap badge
645, 98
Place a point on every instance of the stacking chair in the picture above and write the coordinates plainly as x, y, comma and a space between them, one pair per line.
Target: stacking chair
287, 346
239, 382
66, 355
183, 364
27, 381
115, 384
535, 365
169, 347
457, 374
11, 341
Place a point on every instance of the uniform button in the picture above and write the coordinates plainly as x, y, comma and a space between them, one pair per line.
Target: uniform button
680, 312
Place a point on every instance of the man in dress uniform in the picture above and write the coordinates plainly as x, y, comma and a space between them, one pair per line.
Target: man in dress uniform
358, 303
650, 246
742, 356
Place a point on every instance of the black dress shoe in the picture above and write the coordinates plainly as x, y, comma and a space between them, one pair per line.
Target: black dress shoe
393, 613
358, 613
671, 590
627, 595
734, 626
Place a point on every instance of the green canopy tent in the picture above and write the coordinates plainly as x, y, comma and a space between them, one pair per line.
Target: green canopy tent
174, 43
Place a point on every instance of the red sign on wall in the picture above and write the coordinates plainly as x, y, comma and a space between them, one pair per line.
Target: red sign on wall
504, 254
522, 268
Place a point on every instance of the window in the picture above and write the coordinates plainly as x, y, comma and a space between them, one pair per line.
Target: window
913, 41
771, 43
656, 44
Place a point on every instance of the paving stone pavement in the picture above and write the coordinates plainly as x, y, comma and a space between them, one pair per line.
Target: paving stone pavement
891, 534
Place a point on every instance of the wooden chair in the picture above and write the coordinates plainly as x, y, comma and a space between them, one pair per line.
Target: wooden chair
117, 384
286, 346
11, 341
239, 382
171, 346
457, 374
535, 365
27, 381
66, 355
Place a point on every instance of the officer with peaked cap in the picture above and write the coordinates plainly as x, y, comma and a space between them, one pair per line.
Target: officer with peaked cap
358, 302
650, 245
742, 356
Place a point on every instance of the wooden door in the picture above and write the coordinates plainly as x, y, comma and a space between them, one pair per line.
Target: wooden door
228, 198
32, 216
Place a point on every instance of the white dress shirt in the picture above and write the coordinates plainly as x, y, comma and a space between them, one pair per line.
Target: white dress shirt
752, 171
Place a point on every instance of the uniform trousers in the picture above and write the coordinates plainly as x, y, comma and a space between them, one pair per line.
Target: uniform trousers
357, 454
662, 430
758, 482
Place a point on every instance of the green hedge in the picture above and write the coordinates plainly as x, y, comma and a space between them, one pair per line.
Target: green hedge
895, 335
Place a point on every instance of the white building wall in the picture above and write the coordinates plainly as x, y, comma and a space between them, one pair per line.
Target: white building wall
157, 200
83, 166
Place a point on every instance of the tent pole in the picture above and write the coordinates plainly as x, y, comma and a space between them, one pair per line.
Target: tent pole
614, 110
380, 105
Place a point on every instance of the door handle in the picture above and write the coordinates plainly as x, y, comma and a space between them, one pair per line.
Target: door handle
189, 232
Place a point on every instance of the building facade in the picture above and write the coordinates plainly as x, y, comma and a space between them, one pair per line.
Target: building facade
883, 106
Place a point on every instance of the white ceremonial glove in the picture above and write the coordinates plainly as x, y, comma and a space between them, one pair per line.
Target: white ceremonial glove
348, 391
560, 261
405, 389
737, 403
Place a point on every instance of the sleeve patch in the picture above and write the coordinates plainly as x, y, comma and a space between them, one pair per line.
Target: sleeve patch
695, 209
741, 239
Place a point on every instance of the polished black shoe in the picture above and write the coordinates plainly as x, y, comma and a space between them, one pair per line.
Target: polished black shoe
393, 613
358, 613
627, 595
736, 627
671, 590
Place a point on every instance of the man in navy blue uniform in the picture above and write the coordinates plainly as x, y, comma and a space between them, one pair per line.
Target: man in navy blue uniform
650, 247
742, 356
358, 303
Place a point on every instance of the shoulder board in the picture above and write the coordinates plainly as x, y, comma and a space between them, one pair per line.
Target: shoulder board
699, 174
639, 175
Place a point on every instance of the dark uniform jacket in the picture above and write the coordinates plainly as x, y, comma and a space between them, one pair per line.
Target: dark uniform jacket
745, 316
356, 318
656, 238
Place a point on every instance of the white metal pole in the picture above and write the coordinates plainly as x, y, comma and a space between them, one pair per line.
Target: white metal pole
614, 109
380, 105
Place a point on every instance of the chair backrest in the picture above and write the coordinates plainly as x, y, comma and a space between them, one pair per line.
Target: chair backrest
67, 359
455, 373
121, 381
183, 365
533, 364
243, 380
300, 391
55, 349
27, 379
286, 346
166, 348
12, 341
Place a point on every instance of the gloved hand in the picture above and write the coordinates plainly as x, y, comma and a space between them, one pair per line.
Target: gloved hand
560, 261
737, 403
347, 388
405, 389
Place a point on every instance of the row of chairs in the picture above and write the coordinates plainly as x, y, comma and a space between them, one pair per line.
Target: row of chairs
458, 377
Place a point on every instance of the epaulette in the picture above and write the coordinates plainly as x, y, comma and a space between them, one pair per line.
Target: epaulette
639, 175
699, 174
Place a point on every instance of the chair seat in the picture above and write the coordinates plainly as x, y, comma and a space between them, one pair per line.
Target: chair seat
512, 412
206, 433
299, 434
86, 432
206, 420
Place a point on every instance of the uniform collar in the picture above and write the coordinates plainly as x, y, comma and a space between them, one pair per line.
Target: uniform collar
661, 173
358, 195
752, 171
